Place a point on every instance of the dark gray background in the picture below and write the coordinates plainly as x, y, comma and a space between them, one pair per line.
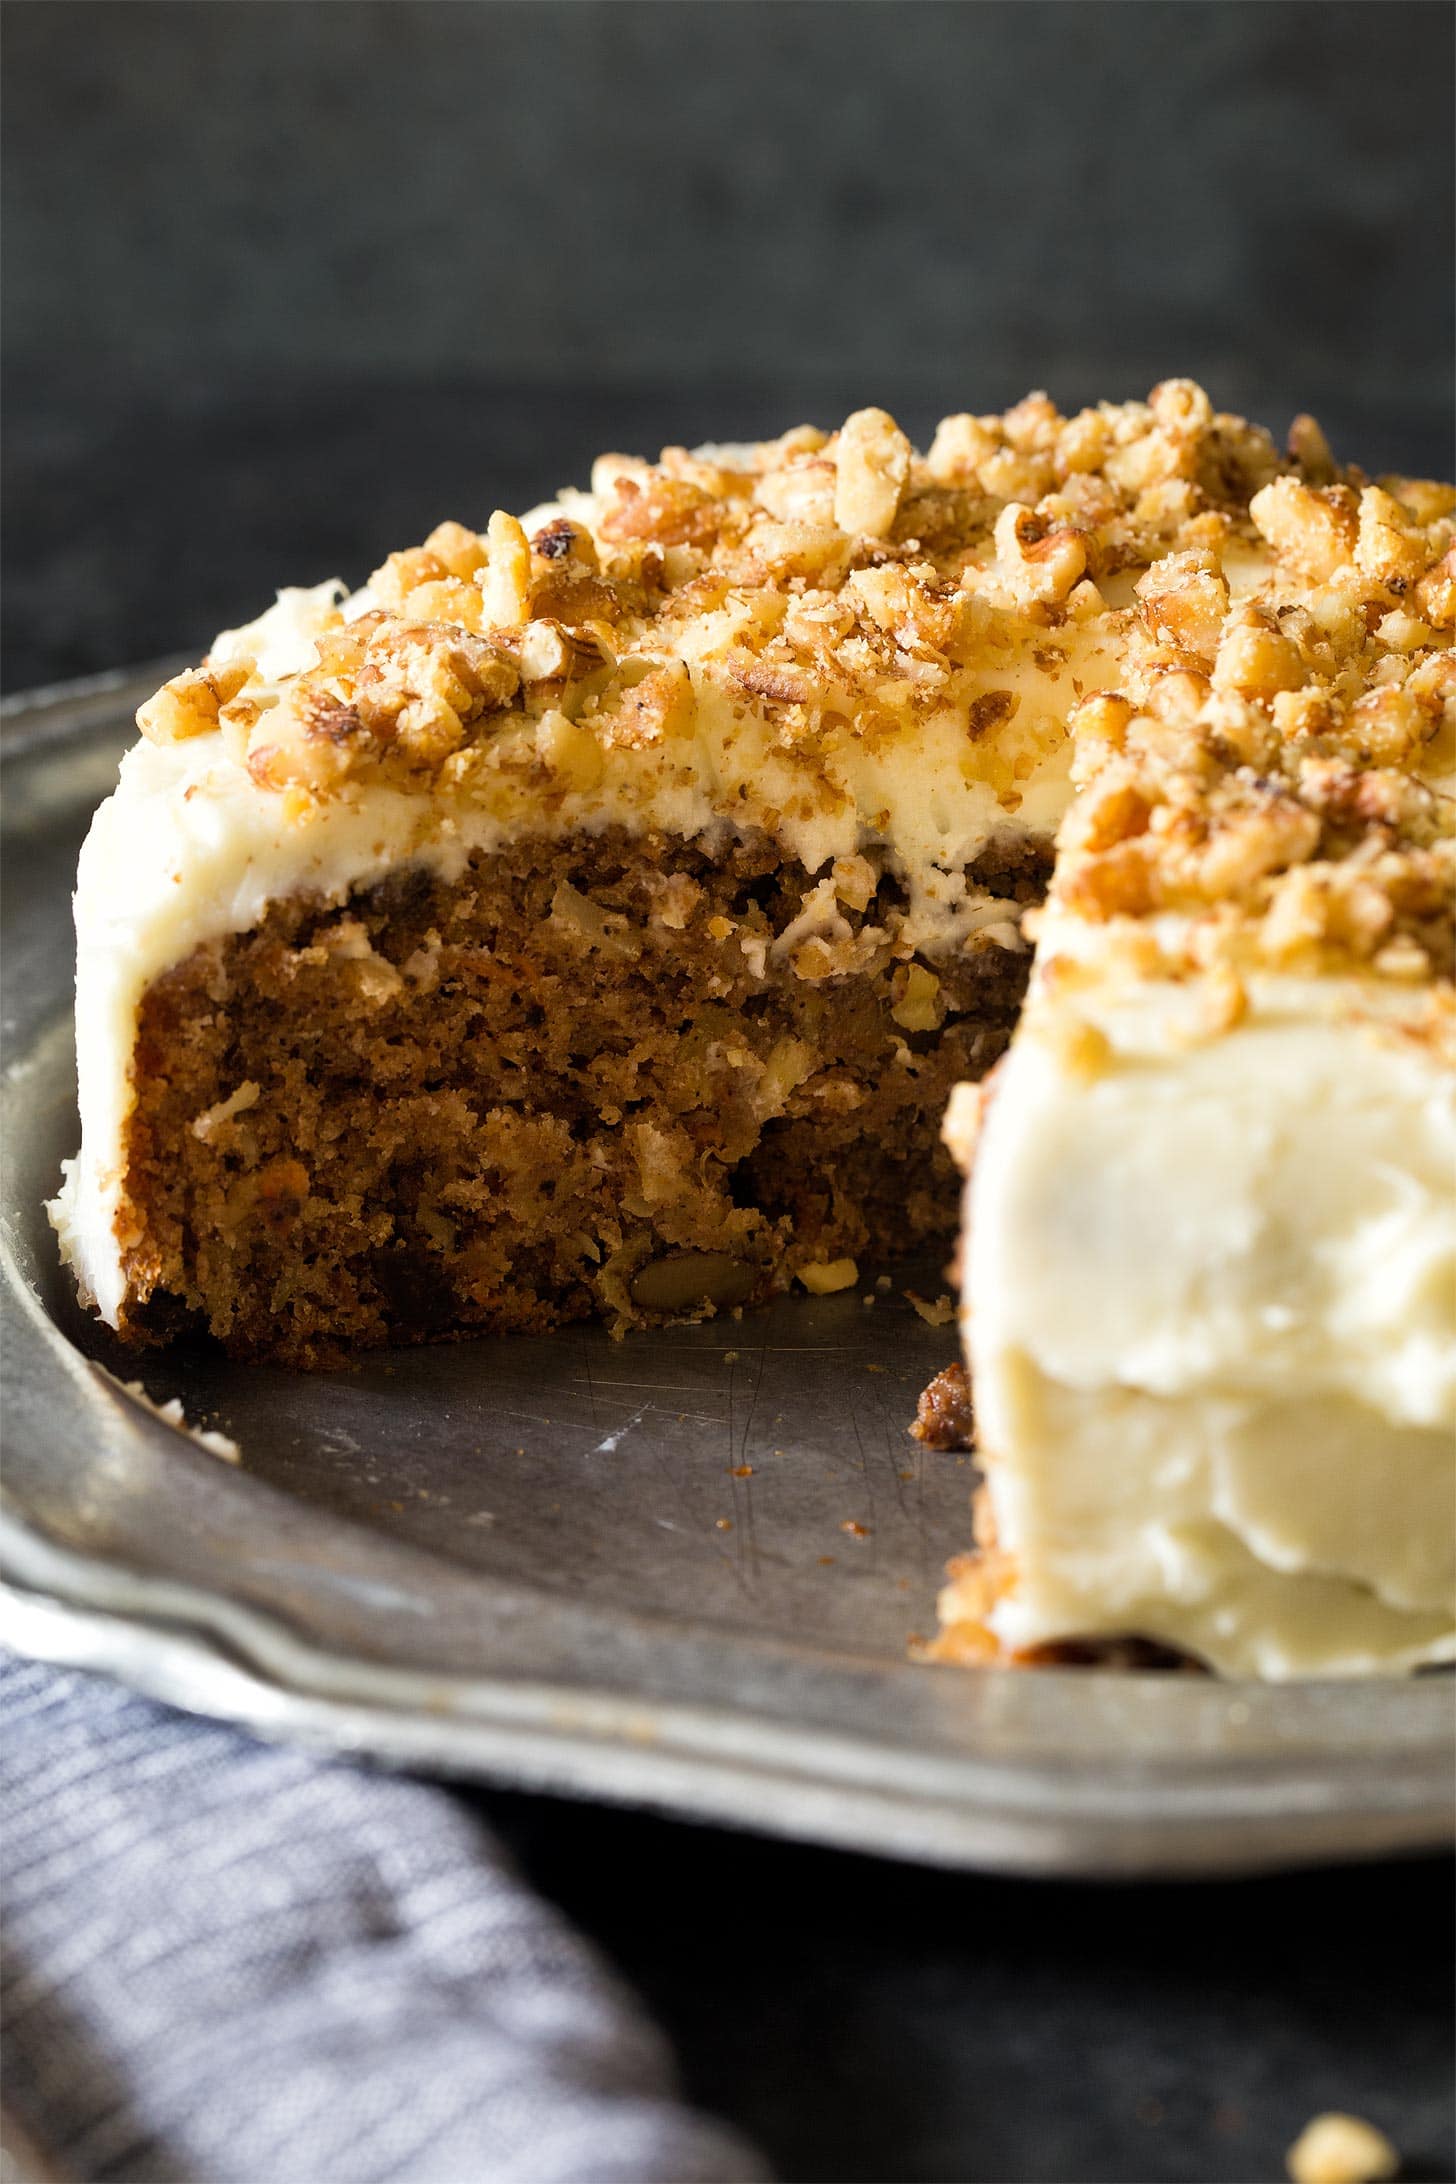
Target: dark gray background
284, 284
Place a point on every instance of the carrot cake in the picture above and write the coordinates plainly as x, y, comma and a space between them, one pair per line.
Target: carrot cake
592, 915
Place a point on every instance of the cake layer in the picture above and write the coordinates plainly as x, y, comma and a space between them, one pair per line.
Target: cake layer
578, 1078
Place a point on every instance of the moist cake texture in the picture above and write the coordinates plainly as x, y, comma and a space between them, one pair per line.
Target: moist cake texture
591, 915
555, 1086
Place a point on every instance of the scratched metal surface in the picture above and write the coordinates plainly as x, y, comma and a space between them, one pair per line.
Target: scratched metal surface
681, 1569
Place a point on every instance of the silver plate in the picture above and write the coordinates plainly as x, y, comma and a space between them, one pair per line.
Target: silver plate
616, 1569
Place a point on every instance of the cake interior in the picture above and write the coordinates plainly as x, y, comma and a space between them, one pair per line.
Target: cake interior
614, 1075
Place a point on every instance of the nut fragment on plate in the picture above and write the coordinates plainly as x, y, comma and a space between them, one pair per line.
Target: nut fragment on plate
1340, 2149
826, 1276
943, 1417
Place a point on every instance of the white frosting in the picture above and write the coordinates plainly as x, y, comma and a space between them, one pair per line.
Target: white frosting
283, 639
188, 849
184, 851
1211, 1310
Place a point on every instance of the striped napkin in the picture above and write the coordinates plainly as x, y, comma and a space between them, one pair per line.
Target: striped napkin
225, 1963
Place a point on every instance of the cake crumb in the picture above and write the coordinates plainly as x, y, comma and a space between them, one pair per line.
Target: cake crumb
1339, 2149
855, 1529
943, 1416
730, 1357
939, 1314
826, 1276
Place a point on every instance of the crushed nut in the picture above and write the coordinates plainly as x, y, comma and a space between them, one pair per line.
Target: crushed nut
1313, 528
916, 1000
1256, 762
1040, 562
1255, 659
506, 588
189, 704
1185, 600
872, 465
1340, 2149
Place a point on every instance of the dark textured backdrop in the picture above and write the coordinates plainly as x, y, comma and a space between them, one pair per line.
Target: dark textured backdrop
283, 283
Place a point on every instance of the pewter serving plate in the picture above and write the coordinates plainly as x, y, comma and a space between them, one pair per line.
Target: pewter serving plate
679, 1571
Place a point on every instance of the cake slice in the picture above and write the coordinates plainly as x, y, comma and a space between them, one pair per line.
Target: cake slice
1209, 1267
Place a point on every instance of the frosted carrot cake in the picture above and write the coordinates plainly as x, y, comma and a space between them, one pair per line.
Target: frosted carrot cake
593, 915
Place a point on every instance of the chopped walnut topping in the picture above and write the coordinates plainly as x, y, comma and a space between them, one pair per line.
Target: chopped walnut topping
1185, 600
1181, 408
1309, 448
383, 689
1389, 545
506, 590
1252, 655
1313, 529
189, 705
1040, 561
667, 511
871, 468
1255, 658
659, 706
462, 553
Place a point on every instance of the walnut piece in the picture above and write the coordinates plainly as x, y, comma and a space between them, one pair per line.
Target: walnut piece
872, 465
189, 705
1340, 2149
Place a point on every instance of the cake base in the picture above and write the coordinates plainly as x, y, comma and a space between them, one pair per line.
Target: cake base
616, 1075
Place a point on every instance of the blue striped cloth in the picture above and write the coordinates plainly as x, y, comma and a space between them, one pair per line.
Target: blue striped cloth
225, 1963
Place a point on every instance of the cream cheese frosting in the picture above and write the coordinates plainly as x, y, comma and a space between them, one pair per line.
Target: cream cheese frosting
1210, 1298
